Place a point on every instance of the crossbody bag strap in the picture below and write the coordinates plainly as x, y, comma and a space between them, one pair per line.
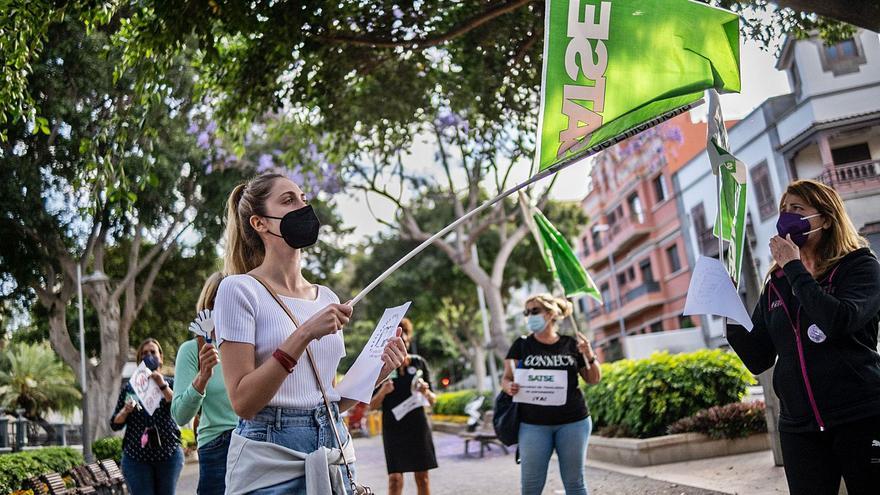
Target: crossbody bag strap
317, 377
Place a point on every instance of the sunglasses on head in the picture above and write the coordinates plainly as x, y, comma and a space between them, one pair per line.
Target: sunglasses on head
533, 311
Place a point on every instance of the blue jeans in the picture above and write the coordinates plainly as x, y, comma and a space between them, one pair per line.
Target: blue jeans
536, 444
152, 478
212, 465
303, 430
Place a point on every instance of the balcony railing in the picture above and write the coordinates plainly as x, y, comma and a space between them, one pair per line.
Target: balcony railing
850, 173
645, 288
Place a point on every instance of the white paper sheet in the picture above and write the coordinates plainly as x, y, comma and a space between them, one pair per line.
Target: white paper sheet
361, 378
541, 387
146, 389
711, 292
415, 401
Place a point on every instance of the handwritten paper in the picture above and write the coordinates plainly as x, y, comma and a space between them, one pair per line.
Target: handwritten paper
541, 387
711, 292
146, 389
360, 380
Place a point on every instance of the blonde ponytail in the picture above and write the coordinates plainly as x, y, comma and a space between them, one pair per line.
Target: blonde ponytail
244, 248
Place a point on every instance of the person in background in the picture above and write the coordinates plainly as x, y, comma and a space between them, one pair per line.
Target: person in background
409, 447
200, 388
817, 321
151, 455
543, 429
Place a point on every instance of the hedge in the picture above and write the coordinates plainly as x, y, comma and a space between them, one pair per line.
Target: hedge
16, 468
642, 397
736, 420
453, 402
108, 448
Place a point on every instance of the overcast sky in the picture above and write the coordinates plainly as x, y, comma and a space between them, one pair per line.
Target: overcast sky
760, 80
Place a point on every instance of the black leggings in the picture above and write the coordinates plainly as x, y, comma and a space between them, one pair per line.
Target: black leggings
815, 461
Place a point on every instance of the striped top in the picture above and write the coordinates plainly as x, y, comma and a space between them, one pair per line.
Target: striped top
245, 312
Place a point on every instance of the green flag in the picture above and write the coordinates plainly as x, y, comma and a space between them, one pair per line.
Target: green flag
559, 257
612, 66
730, 222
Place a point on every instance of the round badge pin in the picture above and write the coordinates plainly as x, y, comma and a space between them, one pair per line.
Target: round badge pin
816, 334
411, 370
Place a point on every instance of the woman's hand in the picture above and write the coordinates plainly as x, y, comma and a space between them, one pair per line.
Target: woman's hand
386, 388
393, 355
422, 387
329, 320
784, 250
586, 349
512, 388
158, 378
208, 359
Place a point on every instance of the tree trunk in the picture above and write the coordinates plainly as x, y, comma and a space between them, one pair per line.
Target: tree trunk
478, 364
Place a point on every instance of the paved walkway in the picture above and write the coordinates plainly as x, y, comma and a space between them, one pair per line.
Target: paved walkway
496, 473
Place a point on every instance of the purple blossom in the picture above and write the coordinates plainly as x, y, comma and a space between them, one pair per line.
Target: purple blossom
265, 163
193, 128
397, 13
204, 140
209, 168
212, 126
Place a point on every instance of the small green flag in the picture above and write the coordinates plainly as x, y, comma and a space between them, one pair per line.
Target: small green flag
558, 255
730, 222
613, 66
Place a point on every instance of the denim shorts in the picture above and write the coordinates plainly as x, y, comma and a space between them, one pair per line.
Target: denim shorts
303, 430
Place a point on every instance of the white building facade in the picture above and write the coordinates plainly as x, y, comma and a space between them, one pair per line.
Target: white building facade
827, 129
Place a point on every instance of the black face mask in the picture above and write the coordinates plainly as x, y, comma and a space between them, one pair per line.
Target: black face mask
299, 228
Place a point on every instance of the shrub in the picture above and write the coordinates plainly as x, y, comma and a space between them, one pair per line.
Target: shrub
108, 448
454, 402
187, 438
644, 396
16, 468
735, 420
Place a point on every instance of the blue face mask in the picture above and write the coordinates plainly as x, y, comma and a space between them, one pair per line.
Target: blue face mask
535, 323
152, 362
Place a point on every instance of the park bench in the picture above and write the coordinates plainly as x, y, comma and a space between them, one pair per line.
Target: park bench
117, 480
100, 480
54, 483
83, 479
484, 434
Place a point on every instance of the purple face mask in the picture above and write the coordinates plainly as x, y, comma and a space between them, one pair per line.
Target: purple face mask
795, 225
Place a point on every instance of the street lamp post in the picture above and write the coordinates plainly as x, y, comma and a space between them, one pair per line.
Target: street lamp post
601, 227
86, 433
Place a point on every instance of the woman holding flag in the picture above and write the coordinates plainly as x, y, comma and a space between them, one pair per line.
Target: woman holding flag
817, 322
565, 428
280, 374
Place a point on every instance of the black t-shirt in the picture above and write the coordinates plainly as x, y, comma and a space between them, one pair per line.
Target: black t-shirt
563, 355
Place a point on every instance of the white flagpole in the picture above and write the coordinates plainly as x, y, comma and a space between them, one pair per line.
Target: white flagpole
535, 178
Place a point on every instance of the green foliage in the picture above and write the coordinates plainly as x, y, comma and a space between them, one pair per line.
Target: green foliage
108, 448
16, 468
187, 438
34, 379
641, 397
454, 402
736, 420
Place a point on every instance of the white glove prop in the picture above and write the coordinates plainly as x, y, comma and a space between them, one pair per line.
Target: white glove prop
203, 325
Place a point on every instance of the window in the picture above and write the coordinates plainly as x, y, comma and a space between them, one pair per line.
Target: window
597, 240
631, 273
763, 190
657, 326
851, 154
660, 191
698, 217
635, 208
606, 296
674, 261
621, 279
685, 322
647, 273
586, 243
842, 50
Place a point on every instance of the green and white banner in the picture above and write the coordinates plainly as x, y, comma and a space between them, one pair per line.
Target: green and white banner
730, 222
613, 66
